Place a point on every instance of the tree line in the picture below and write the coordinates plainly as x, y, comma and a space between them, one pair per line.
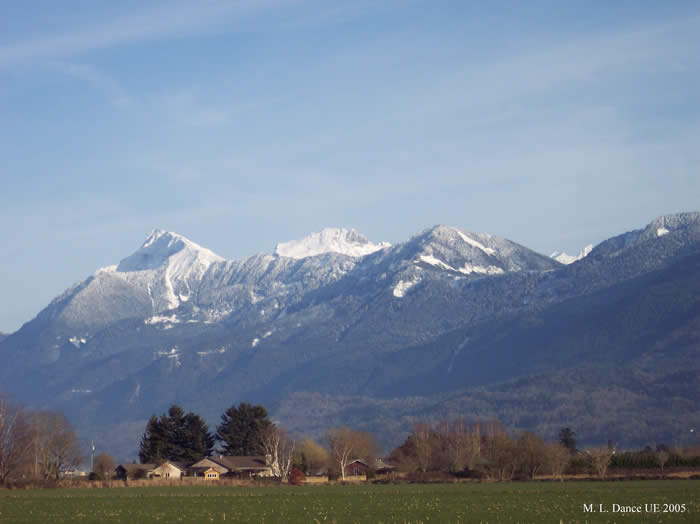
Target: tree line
43, 445
480, 449
488, 450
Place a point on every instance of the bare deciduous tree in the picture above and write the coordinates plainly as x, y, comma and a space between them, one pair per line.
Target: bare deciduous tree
345, 445
313, 455
662, 457
279, 449
462, 445
422, 435
532, 453
474, 445
14, 439
54, 444
492, 428
600, 459
104, 465
501, 455
558, 458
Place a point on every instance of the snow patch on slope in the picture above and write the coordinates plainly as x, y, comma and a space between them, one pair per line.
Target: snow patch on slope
329, 240
219, 351
430, 259
476, 244
467, 269
173, 354
160, 319
403, 286
77, 341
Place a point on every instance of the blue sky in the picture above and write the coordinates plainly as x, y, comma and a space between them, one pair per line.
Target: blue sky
241, 124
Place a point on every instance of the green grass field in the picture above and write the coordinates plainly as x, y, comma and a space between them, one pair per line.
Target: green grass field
414, 503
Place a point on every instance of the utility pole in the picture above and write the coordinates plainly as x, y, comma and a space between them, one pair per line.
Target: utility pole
92, 455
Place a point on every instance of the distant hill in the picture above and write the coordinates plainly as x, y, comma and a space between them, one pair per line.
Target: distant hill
448, 323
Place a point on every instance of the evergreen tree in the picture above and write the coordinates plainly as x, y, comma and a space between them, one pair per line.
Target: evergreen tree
567, 438
201, 442
241, 430
179, 439
154, 442
175, 436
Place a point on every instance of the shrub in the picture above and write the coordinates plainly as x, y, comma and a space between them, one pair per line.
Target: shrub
139, 474
296, 477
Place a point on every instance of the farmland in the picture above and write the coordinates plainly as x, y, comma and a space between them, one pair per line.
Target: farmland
464, 502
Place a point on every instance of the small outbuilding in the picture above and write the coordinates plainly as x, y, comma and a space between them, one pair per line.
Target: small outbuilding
356, 467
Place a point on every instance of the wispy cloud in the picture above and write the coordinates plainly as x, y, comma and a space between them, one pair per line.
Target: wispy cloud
185, 106
96, 79
180, 18
493, 87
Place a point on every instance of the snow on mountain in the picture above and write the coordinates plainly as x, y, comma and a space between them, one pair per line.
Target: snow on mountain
329, 240
404, 285
570, 259
467, 269
460, 251
163, 273
182, 257
476, 243
445, 253
664, 225
662, 232
167, 267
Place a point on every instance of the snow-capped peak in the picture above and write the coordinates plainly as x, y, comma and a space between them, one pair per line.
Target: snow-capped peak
451, 235
570, 259
167, 267
329, 240
161, 247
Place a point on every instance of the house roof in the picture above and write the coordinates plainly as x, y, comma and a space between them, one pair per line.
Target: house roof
137, 467
182, 466
226, 463
383, 465
209, 462
234, 463
379, 464
200, 469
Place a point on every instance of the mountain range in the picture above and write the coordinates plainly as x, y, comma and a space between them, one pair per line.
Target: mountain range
333, 330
